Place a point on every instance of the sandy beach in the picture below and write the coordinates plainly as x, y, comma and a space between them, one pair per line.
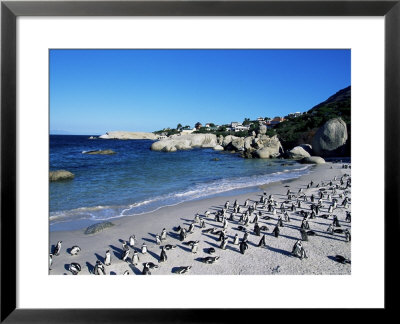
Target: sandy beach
275, 258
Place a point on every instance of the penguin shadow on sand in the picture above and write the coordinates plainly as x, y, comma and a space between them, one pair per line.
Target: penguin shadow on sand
212, 244
66, 266
173, 235
154, 255
211, 237
289, 237
184, 248
90, 267
52, 248
331, 257
149, 240
117, 251
284, 252
187, 220
99, 257
135, 270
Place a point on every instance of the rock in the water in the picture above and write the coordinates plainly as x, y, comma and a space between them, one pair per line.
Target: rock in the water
185, 142
95, 228
268, 147
312, 160
331, 138
128, 135
101, 152
60, 175
298, 153
218, 148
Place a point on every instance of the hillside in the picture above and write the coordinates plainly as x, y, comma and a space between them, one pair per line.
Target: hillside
300, 130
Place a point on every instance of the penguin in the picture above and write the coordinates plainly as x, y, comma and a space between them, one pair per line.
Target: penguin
163, 256
170, 247
50, 260
99, 268
75, 250
330, 229
197, 218
276, 231
151, 265
177, 228
57, 248
125, 255
264, 228
163, 234
224, 243
158, 239
245, 236
243, 246
75, 268
195, 246
336, 221
182, 234
211, 250
202, 223
144, 248
135, 258
298, 250
236, 239
146, 270
190, 242
126, 273
280, 222
210, 260
182, 270
257, 230
342, 259
107, 258
208, 230
262, 241
191, 228
348, 235
330, 209
311, 233
304, 236
125, 246
348, 217
132, 240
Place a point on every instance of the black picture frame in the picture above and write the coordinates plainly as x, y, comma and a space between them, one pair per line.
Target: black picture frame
10, 10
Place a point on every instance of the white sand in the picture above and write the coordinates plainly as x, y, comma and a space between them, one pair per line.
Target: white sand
276, 258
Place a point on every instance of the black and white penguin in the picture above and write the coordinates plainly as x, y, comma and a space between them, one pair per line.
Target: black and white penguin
191, 228
342, 259
262, 241
224, 243
211, 250
163, 255
135, 258
144, 248
57, 248
107, 258
125, 255
170, 247
298, 250
163, 234
132, 239
304, 236
243, 246
75, 250
210, 260
236, 239
195, 247
158, 240
257, 230
125, 246
347, 235
330, 229
182, 234
197, 218
99, 268
126, 273
276, 231
348, 216
152, 265
182, 270
50, 260
146, 269
75, 268
202, 223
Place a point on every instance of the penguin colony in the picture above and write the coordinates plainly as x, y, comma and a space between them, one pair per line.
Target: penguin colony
235, 227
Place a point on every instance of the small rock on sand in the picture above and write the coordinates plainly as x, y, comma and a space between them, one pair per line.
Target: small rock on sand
95, 228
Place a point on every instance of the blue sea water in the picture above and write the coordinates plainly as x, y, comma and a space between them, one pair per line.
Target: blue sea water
137, 180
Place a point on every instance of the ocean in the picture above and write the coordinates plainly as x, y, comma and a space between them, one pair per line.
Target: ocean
137, 180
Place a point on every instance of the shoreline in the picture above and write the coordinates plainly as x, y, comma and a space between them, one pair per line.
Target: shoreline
145, 226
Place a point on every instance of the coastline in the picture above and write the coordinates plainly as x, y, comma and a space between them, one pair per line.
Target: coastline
275, 259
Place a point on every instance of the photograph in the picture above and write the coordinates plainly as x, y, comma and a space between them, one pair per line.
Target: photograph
199, 161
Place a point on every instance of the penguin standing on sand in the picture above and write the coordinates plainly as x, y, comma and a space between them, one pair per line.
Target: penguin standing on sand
182, 234
348, 217
125, 246
236, 239
135, 258
202, 223
107, 258
50, 261
336, 221
224, 243
298, 250
257, 229
132, 240
243, 246
245, 236
191, 228
163, 234
75, 268
99, 268
163, 255
144, 248
197, 219
146, 269
57, 248
330, 229
276, 231
347, 235
262, 241
158, 239
304, 236
304, 224
195, 247
125, 255
280, 222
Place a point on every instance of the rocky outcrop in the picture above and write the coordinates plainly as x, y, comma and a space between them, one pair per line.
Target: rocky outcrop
218, 148
267, 147
95, 228
100, 152
60, 175
299, 152
128, 135
185, 142
312, 160
330, 140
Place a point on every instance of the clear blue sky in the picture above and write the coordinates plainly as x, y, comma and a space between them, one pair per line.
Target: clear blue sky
95, 91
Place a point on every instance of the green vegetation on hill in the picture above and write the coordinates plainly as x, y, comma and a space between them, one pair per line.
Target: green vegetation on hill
300, 130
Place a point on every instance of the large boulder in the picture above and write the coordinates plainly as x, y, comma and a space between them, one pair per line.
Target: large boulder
60, 175
312, 160
298, 152
268, 147
185, 142
218, 148
263, 130
247, 142
331, 138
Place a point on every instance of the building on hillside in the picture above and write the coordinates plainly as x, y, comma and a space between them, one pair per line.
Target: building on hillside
241, 128
294, 115
186, 131
273, 122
